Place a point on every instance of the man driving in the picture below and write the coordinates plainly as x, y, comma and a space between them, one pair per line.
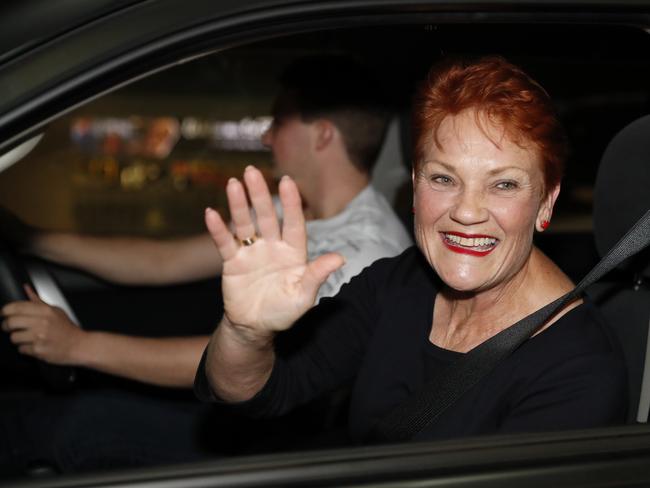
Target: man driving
328, 127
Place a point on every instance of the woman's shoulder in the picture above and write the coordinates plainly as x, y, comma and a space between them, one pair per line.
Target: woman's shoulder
580, 333
406, 270
574, 358
388, 279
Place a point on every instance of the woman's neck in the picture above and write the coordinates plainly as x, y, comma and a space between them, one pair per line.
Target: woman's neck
461, 321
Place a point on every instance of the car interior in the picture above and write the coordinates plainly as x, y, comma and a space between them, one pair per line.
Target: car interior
620, 199
101, 169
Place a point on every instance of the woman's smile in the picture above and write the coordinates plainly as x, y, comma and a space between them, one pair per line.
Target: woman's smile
472, 244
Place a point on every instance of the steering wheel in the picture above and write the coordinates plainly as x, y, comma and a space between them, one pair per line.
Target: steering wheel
13, 275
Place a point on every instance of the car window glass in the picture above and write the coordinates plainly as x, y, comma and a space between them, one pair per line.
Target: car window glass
146, 159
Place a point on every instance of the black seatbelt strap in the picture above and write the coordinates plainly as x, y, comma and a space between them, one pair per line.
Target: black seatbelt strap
423, 408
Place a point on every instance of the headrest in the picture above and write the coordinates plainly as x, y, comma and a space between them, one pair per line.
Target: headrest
622, 191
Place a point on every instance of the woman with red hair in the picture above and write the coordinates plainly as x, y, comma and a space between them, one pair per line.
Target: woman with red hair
488, 161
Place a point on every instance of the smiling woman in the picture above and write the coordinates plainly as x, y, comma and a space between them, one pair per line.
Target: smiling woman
488, 160
481, 188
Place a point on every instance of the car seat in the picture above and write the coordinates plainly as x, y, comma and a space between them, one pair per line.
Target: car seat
621, 197
390, 172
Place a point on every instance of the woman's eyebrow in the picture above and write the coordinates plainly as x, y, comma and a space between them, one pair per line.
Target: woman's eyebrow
448, 167
497, 171
492, 172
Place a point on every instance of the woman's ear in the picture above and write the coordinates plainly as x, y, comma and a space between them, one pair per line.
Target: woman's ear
546, 209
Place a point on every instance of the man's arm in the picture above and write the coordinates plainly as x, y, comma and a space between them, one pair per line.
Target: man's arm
46, 333
132, 261
167, 361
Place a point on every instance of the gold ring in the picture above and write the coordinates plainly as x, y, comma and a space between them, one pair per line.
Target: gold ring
249, 241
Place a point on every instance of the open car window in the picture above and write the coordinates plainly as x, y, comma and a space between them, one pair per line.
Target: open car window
175, 137
147, 158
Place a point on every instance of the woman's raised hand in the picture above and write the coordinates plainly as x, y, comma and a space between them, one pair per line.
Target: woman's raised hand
267, 282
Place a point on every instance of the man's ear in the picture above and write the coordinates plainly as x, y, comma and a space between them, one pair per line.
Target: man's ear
546, 209
325, 132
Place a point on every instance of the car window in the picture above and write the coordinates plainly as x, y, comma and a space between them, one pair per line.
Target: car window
146, 159
178, 135
149, 157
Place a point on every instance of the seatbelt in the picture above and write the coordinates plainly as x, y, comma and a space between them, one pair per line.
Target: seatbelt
423, 408
644, 400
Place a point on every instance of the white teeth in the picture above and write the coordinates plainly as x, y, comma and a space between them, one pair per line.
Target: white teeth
472, 241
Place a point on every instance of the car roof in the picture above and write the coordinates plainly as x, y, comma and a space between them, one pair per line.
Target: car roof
80, 50
43, 19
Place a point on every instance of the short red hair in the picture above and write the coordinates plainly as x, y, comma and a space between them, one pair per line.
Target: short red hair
501, 92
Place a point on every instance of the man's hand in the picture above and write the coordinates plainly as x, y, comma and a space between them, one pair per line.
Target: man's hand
42, 331
267, 284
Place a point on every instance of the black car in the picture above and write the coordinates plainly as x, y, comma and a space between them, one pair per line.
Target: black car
84, 87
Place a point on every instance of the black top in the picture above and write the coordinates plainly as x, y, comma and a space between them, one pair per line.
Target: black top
375, 334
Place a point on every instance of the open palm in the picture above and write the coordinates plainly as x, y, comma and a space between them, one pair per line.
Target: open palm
269, 284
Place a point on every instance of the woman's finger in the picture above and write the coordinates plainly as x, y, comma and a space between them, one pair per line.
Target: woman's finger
240, 213
319, 269
221, 235
258, 191
293, 224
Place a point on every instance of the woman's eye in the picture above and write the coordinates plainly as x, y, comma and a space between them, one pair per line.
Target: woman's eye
507, 185
441, 179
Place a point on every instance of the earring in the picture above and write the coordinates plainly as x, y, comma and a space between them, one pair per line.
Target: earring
545, 224
412, 209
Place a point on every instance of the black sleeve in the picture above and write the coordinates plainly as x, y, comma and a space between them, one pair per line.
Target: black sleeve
322, 351
202, 389
583, 392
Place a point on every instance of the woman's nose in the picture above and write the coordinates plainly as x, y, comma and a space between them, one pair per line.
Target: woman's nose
469, 208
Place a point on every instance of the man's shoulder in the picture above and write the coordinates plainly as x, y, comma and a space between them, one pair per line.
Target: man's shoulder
371, 216
369, 204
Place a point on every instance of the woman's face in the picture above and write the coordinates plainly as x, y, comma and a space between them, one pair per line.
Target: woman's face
477, 204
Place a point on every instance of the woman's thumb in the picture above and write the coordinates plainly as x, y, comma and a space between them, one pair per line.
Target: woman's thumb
319, 269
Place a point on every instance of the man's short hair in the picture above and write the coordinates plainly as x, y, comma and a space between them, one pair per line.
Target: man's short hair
340, 90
